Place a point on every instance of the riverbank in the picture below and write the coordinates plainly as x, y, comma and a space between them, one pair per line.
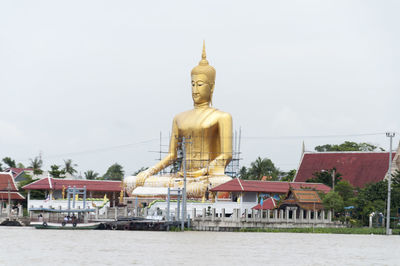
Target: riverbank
356, 230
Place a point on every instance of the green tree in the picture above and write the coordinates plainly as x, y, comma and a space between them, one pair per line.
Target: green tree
1, 167
370, 194
263, 167
325, 177
20, 165
396, 178
289, 176
333, 200
243, 173
346, 191
56, 172
347, 146
36, 164
69, 167
35, 194
9, 162
140, 170
114, 172
90, 174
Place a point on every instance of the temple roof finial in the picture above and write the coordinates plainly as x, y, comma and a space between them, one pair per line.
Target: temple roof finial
203, 61
203, 54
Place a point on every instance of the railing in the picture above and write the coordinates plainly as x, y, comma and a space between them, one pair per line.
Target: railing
211, 220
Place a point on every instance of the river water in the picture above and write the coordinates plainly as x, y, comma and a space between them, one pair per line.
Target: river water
29, 246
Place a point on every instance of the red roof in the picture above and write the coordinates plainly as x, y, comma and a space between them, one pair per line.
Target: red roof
359, 168
17, 171
268, 204
13, 196
5, 180
238, 185
91, 185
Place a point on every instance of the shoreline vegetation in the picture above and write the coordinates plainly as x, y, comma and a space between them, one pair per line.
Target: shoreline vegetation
352, 230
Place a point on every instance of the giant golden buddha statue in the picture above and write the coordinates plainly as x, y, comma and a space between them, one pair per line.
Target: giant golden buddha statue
208, 134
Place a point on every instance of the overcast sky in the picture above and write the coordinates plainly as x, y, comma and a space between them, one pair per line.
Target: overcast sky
81, 80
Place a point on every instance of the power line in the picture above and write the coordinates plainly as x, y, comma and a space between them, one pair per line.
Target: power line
96, 150
315, 136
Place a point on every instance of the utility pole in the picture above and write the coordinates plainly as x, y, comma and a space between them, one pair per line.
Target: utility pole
388, 231
9, 199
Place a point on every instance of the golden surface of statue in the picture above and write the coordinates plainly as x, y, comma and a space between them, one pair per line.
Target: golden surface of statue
208, 132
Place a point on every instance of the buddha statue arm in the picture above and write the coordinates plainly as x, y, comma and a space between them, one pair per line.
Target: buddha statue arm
217, 166
166, 161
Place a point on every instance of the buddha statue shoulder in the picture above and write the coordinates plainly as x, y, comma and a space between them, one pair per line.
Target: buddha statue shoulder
208, 141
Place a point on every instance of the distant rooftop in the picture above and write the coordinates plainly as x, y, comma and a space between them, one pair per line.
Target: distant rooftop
359, 168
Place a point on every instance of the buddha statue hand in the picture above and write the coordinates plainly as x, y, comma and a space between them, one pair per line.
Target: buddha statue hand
142, 176
197, 173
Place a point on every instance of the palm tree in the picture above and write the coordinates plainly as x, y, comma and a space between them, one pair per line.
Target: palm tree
56, 172
90, 174
36, 165
243, 173
69, 167
263, 167
9, 162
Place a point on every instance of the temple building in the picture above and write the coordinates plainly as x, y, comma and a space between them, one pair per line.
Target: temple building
251, 191
54, 189
302, 202
9, 195
359, 168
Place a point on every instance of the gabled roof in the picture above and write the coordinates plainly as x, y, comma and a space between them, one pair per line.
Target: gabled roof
239, 185
304, 198
58, 183
7, 179
13, 196
17, 171
359, 168
268, 204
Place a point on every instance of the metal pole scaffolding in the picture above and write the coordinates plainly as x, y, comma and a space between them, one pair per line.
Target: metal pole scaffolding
184, 185
389, 135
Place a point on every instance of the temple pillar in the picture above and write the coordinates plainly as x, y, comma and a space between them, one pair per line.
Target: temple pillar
329, 216
213, 214
301, 215
106, 212
223, 214
370, 221
194, 213
308, 216
323, 216
275, 215
203, 217
287, 214
267, 215
281, 215
236, 214
20, 211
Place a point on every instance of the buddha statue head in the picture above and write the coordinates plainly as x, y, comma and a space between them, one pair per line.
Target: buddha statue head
203, 81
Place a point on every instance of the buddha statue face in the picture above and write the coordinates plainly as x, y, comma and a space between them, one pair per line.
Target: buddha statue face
203, 81
202, 89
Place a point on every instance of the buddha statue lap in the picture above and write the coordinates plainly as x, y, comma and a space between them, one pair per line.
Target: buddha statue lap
208, 134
